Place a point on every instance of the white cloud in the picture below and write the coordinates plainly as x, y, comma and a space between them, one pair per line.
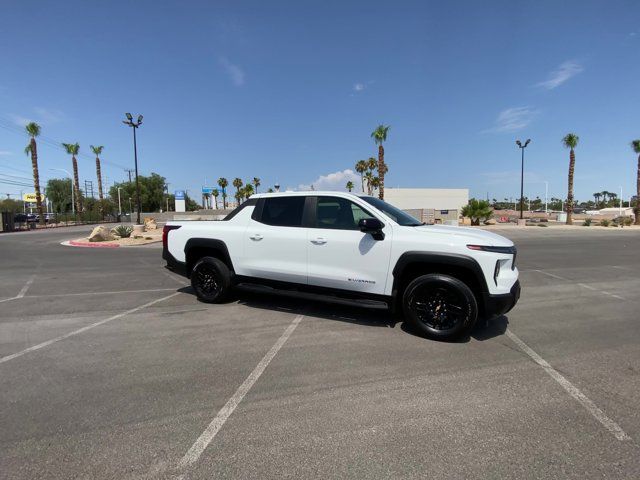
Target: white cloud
235, 73
333, 181
48, 116
5, 153
358, 87
19, 120
564, 72
513, 119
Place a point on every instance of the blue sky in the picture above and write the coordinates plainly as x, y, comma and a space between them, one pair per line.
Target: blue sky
290, 91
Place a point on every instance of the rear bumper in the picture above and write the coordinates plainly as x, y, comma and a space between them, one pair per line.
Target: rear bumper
173, 264
495, 305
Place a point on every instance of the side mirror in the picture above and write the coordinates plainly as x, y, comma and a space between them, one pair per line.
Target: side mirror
372, 226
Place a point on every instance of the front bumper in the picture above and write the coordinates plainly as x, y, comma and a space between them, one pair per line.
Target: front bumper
495, 305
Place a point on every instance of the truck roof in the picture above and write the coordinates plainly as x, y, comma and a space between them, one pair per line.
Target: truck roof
309, 193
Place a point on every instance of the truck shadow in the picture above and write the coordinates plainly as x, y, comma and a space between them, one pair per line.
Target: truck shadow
483, 330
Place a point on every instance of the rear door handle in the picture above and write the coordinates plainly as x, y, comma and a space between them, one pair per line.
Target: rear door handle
255, 236
319, 241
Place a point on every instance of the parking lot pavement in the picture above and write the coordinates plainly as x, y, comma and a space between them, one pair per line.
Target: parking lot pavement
110, 368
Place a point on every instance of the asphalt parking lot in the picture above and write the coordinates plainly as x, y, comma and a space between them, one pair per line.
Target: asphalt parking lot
110, 368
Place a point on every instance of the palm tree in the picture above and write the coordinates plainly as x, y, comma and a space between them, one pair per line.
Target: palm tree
73, 149
237, 182
605, 197
248, 190
215, 194
596, 197
635, 145
223, 182
375, 183
238, 195
379, 136
97, 151
570, 141
33, 130
256, 182
369, 177
350, 185
361, 167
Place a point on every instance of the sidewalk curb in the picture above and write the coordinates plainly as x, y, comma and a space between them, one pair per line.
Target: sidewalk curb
73, 243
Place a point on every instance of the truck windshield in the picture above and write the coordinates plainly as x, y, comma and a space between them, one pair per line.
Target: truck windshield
397, 215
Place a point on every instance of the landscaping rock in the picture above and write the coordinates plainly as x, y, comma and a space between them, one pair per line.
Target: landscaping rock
137, 230
150, 224
490, 221
101, 234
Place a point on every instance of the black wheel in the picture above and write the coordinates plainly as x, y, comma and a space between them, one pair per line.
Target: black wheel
211, 279
439, 306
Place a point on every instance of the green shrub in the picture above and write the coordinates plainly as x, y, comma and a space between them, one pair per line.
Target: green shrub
604, 222
542, 225
124, 231
627, 222
477, 210
587, 222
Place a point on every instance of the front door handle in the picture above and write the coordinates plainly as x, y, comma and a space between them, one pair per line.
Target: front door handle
319, 241
256, 237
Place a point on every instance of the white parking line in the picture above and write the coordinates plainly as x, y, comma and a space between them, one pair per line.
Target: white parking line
26, 287
225, 412
114, 292
552, 275
571, 389
83, 329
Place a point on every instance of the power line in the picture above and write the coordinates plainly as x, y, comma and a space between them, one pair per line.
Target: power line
51, 142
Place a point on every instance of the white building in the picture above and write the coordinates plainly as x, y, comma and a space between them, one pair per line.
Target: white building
435, 204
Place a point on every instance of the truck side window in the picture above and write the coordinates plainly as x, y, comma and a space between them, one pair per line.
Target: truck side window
339, 213
283, 211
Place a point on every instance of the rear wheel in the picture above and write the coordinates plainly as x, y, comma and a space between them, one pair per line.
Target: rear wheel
440, 307
211, 279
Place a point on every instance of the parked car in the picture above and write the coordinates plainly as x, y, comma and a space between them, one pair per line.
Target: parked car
20, 218
349, 248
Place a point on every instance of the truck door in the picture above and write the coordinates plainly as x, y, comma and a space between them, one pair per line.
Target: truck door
340, 255
275, 244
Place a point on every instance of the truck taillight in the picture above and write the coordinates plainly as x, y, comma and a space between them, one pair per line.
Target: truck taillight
165, 233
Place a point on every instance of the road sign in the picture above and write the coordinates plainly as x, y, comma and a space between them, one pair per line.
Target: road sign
179, 194
31, 197
207, 190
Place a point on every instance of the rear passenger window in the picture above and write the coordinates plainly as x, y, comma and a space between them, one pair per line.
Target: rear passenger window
283, 211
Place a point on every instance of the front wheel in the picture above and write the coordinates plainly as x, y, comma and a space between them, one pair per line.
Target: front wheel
440, 307
211, 279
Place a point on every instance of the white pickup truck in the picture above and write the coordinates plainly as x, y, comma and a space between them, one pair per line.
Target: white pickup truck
350, 248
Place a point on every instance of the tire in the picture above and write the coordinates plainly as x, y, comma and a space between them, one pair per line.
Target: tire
211, 280
440, 307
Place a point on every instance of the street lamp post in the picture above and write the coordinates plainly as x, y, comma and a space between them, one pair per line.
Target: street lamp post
546, 197
119, 204
129, 121
522, 147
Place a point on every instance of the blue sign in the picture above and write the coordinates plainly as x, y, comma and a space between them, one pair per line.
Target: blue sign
179, 194
207, 190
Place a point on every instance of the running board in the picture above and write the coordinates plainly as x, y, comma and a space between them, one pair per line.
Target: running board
353, 302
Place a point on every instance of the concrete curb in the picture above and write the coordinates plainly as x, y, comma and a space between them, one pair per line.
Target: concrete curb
73, 243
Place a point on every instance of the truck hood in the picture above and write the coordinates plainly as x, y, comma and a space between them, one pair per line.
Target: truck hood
468, 235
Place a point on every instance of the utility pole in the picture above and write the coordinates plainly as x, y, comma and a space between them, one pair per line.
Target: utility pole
129, 171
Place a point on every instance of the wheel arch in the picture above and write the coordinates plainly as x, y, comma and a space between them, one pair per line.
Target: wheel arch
196, 248
411, 265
